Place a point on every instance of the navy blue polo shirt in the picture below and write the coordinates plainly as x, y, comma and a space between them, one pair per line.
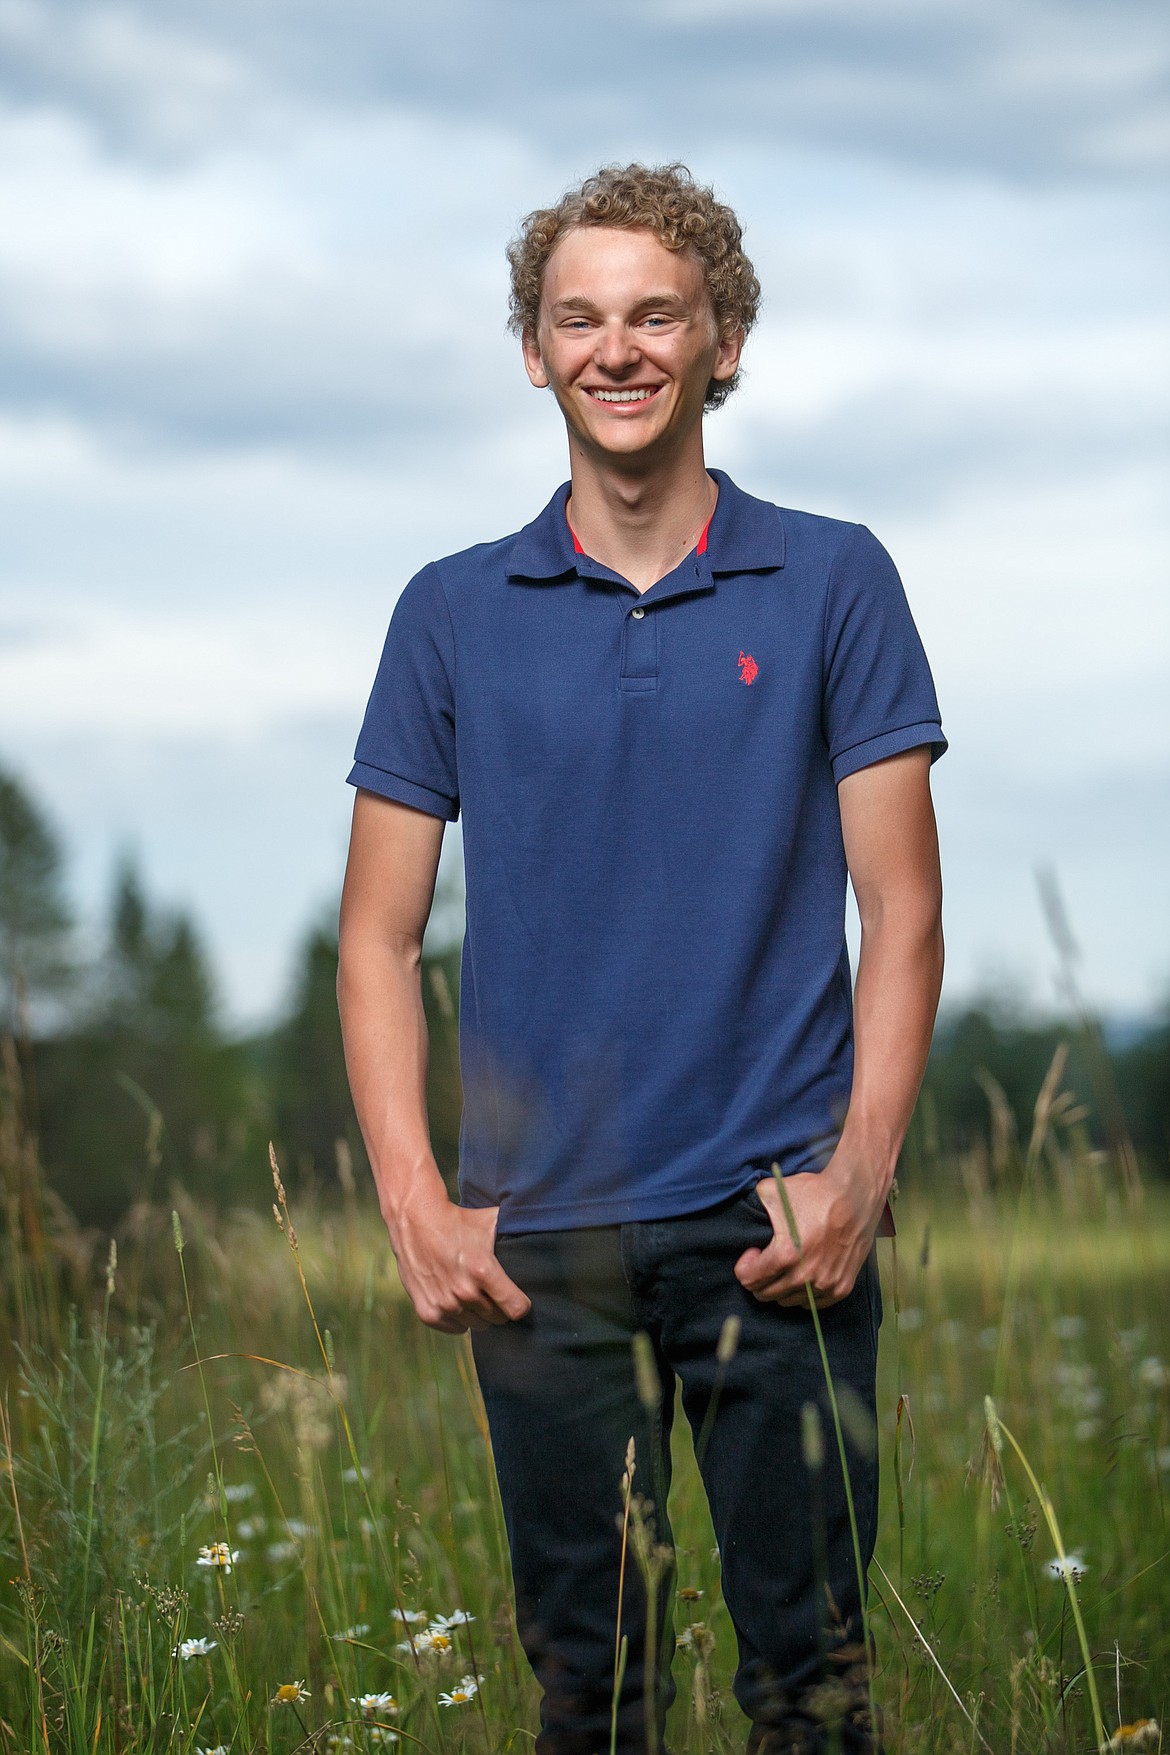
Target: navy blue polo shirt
656, 999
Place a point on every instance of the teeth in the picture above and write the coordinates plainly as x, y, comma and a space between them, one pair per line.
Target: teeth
621, 395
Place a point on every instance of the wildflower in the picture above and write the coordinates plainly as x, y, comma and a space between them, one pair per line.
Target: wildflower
189, 1648
1142, 1735
910, 1319
435, 1639
357, 1631
220, 1749
218, 1554
1071, 1566
1152, 1374
688, 1594
444, 1623
249, 1528
464, 1690
1068, 1328
351, 1477
370, 1705
237, 1491
278, 1552
697, 1638
410, 1616
290, 1694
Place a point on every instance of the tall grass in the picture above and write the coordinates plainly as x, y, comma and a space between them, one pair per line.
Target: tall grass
276, 1413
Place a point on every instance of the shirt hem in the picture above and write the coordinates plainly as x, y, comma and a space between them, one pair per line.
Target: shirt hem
890, 743
387, 785
582, 1215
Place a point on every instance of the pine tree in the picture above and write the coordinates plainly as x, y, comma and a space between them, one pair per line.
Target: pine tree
34, 918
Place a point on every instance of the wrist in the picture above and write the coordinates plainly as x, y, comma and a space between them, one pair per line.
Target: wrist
406, 1191
870, 1156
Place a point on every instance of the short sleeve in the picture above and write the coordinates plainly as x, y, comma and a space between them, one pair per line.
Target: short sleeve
878, 695
406, 747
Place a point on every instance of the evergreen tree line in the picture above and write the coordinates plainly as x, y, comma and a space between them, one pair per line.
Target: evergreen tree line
133, 1082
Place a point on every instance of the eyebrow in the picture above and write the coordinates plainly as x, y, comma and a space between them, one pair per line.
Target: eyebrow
655, 301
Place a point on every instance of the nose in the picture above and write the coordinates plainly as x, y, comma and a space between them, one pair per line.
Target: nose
617, 349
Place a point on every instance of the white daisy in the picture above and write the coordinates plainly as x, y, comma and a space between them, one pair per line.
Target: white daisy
464, 1690
189, 1648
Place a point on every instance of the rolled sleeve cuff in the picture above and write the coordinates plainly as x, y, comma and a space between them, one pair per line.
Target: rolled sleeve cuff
387, 785
890, 743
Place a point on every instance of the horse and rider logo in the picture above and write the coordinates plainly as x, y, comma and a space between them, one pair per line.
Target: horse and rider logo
749, 670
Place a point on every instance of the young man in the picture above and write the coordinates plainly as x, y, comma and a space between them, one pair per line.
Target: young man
672, 716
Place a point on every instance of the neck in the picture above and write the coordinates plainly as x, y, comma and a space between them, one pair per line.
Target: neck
641, 524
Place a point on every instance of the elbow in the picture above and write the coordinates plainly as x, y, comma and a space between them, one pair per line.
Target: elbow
365, 948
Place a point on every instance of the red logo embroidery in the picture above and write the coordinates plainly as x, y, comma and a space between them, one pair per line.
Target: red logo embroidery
749, 670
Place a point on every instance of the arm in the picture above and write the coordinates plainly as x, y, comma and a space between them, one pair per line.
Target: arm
892, 850
445, 1253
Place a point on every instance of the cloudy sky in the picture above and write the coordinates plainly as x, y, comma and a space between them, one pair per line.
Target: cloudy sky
254, 372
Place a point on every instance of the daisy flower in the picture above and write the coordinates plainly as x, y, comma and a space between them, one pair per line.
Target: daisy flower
410, 1616
218, 1554
464, 1690
1142, 1735
370, 1705
358, 1631
434, 1639
189, 1648
290, 1694
444, 1623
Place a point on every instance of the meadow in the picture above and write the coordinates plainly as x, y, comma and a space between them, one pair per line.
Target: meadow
248, 1504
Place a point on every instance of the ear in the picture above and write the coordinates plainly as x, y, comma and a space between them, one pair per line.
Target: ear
727, 359
533, 363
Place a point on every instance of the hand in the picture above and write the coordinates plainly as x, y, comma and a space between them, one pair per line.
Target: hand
836, 1212
447, 1263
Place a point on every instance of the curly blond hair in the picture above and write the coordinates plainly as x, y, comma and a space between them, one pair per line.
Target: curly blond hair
664, 200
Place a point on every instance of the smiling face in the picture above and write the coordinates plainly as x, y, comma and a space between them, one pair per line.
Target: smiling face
627, 341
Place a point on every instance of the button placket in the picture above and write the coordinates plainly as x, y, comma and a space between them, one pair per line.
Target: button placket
639, 673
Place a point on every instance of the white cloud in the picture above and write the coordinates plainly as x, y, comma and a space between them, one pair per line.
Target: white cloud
175, 85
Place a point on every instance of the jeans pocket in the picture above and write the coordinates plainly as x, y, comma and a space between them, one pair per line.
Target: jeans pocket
750, 1198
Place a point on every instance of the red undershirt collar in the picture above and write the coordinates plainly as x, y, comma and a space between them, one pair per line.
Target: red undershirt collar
700, 546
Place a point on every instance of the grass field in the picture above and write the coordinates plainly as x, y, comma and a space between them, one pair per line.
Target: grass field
234, 1501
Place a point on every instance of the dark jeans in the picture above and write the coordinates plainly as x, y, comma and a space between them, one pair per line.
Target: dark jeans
562, 1403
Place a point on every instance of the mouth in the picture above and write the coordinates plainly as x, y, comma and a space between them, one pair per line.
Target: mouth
623, 398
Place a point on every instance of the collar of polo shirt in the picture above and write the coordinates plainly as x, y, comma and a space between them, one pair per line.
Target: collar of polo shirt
745, 535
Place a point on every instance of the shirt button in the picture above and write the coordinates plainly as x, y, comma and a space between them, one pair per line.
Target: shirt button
637, 614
